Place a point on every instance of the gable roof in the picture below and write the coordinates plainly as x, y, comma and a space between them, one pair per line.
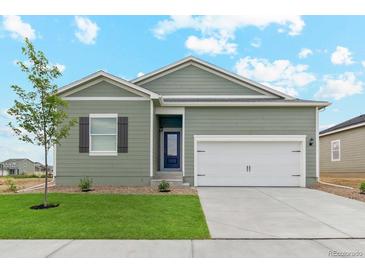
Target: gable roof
209, 67
109, 76
349, 124
16, 159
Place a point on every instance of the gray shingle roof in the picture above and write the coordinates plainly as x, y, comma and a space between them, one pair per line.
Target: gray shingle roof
353, 121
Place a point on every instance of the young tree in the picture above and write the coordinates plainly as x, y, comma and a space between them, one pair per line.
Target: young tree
39, 112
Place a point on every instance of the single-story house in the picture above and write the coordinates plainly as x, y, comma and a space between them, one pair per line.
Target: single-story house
189, 122
17, 167
342, 149
41, 168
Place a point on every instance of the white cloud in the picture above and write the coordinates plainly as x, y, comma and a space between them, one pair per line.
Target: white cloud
210, 45
339, 87
363, 63
226, 24
341, 56
17, 28
87, 31
256, 42
304, 53
219, 31
283, 88
279, 74
139, 74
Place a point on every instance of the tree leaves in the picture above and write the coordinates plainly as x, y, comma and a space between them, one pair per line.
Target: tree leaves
39, 113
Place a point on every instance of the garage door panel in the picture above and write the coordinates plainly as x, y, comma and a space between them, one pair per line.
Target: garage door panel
248, 163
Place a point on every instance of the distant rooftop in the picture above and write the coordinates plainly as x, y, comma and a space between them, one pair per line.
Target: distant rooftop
18, 159
351, 122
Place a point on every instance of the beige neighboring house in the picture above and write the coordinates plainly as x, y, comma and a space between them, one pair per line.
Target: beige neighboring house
342, 149
17, 167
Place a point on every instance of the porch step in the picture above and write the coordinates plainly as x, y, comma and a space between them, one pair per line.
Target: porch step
168, 175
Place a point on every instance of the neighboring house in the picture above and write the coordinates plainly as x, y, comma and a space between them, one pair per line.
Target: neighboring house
342, 149
17, 167
188, 122
41, 168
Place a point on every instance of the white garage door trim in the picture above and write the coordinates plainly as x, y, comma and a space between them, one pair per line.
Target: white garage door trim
253, 138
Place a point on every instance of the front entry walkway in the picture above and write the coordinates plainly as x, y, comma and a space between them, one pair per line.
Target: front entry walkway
280, 213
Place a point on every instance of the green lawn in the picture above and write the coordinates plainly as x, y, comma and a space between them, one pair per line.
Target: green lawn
103, 216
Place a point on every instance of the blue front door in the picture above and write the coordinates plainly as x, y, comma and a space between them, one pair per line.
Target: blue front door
172, 150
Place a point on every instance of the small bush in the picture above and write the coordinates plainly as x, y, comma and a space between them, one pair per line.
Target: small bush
362, 188
10, 182
85, 184
164, 186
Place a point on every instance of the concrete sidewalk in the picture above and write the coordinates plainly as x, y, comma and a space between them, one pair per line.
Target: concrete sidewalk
276, 248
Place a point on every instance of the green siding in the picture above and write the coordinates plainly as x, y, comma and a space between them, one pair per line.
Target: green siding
130, 168
249, 121
103, 89
195, 81
352, 152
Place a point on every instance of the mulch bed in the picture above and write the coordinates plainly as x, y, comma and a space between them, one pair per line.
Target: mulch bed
41, 206
123, 190
348, 193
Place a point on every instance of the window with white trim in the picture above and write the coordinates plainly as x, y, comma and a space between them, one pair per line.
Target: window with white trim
335, 150
103, 134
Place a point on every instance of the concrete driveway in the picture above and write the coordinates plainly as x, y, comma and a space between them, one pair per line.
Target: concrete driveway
271, 213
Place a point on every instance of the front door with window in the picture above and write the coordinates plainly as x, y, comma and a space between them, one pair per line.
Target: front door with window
172, 150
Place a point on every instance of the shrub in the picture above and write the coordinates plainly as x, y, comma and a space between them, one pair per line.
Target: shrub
10, 182
362, 188
164, 186
85, 184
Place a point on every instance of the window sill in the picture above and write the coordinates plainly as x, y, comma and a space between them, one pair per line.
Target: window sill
101, 153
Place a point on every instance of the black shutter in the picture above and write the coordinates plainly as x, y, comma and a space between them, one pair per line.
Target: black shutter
83, 134
123, 134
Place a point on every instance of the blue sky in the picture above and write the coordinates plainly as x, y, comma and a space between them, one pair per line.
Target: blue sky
311, 57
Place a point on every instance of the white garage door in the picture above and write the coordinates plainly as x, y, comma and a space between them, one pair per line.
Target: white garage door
249, 163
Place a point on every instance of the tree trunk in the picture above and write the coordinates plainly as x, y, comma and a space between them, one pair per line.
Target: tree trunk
45, 202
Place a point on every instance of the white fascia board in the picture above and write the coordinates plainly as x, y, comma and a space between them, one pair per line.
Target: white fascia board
215, 96
158, 71
111, 77
106, 99
248, 104
342, 129
203, 64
